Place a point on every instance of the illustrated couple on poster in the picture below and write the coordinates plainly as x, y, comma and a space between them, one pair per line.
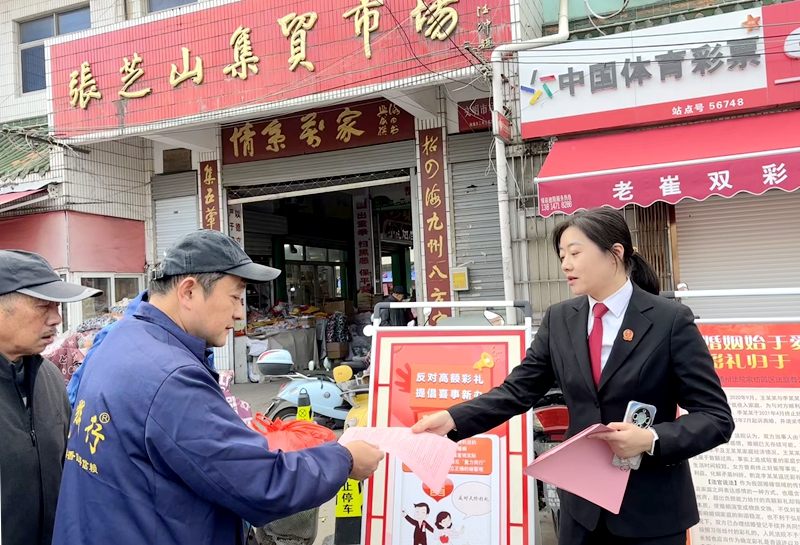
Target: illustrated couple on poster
443, 525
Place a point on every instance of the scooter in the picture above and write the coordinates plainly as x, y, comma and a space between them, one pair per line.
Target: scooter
355, 394
325, 394
551, 420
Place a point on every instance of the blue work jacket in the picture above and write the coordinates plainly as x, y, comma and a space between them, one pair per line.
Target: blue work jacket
157, 456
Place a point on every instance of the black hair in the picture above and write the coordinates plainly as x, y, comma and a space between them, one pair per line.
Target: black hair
207, 281
606, 227
425, 505
440, 518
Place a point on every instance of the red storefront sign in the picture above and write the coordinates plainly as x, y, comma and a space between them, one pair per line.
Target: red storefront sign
502, 127
436, 248
475, 115
257, 52
209, 195
315, 131
755, 355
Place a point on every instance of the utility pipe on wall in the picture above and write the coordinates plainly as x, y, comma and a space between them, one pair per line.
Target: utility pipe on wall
500, 146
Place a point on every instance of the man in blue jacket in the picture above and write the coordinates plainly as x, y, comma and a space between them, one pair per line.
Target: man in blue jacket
156, 455
75, 381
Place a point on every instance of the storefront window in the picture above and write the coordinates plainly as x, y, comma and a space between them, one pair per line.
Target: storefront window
313, 284
125, 288
335, 256
294, 252
337, 279
316, 254
326, 287
96, 306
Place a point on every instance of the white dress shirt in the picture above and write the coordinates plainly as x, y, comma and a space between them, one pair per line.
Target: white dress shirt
612, 322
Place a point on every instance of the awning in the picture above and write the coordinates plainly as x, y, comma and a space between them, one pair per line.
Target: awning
11, 197
749, 154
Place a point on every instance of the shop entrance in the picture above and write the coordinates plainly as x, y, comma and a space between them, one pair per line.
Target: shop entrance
340, 252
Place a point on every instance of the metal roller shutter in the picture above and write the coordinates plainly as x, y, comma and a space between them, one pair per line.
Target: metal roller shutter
258, 231
174, 217
747, 241
399, 155
168, 186
476, 216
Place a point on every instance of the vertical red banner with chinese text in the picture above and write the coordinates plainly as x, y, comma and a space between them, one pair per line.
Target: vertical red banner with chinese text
365, 272
434, 220
209, 195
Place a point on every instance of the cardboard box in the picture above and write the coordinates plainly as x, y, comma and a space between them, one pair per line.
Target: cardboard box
339, 306
338, 351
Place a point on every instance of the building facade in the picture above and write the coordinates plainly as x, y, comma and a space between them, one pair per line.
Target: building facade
629, 111
347, 143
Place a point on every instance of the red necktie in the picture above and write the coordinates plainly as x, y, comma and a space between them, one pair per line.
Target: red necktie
596, 341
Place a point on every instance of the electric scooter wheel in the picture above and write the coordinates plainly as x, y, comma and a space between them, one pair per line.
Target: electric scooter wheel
287, 415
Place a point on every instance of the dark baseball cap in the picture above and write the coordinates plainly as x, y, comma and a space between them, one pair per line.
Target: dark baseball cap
209, 251
30, 274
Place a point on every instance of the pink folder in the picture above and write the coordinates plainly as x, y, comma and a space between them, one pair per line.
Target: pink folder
584, 467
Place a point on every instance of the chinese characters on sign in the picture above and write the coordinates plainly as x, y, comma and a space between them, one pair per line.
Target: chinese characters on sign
758, 356
209, 195
485, 38
438, 19
131, 72
434, 221
326, 129
349, 500
671, 184
475, 115
244, 61
434, 387
367, 18
473, 456
235, 226
83, 87
232, 55
771, 175
706, 60
195, 74
703, 68
362, 215
748, 487
296, 27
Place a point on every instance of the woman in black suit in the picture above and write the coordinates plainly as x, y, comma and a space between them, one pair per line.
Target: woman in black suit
616, 342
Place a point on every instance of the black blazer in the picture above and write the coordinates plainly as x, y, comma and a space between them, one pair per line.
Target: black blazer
666, 364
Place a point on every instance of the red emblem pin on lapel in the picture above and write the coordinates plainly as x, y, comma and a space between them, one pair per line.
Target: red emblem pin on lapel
627, 335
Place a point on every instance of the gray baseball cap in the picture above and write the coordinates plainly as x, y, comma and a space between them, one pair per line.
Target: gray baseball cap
30, 274
209, 251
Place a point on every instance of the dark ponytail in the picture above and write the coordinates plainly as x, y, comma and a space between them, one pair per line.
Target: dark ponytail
643, 275
605, 228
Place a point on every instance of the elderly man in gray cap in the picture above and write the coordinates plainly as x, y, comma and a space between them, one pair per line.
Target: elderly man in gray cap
34, 409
